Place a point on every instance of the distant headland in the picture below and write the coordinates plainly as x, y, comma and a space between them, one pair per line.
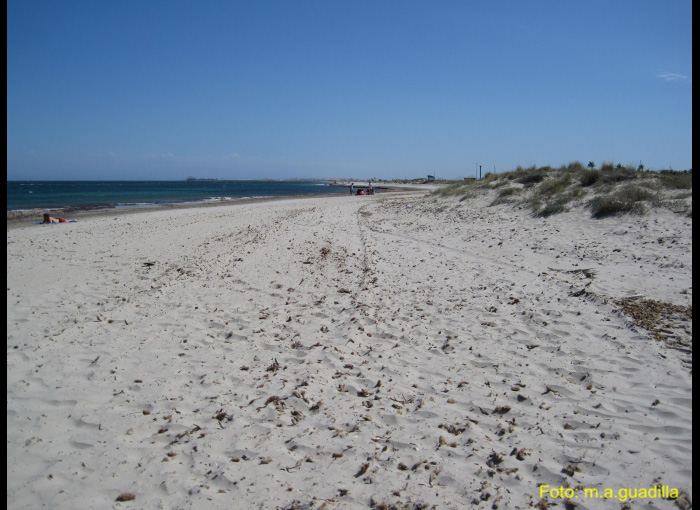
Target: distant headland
267, 179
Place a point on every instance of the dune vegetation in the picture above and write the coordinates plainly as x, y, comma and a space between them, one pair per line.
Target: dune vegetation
606, 191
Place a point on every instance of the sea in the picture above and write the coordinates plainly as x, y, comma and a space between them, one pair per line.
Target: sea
76, 195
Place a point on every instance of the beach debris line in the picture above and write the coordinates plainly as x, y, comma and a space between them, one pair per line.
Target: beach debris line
666, 322
587, 272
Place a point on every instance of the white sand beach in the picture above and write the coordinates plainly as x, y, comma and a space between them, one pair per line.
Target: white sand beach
386, 351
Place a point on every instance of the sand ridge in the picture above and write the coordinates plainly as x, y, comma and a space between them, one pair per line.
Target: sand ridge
344, 352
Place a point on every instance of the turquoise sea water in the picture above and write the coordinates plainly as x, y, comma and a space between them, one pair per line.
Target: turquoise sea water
22, 195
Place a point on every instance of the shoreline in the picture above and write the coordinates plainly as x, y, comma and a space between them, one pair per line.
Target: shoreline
20, 218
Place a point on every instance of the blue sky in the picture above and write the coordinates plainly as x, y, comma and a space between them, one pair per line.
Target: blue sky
387, 89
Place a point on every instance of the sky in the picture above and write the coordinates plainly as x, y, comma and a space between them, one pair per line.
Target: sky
138, 90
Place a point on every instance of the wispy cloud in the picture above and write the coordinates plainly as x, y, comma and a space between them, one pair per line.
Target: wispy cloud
208, 158
160, 155
666, 76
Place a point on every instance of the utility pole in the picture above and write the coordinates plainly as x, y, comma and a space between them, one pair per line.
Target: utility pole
479, 172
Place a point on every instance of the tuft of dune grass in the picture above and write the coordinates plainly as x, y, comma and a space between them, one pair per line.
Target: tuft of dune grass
625, 200
555, 186
505, 196
451, 190
613, 175
532, 178
588, 177
558, 203
550, 209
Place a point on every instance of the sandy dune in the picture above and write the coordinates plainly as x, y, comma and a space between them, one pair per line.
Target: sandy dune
347, 352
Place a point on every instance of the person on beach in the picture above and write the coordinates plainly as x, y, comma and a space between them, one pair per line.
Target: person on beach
370, 189
352, 188
50, 219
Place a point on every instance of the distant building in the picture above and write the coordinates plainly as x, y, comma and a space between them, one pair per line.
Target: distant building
431, 177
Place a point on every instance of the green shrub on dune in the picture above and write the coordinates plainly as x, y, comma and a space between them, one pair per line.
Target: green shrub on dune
613, 175
588, 177
532, 178
676, 180
626, 200
575, 167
